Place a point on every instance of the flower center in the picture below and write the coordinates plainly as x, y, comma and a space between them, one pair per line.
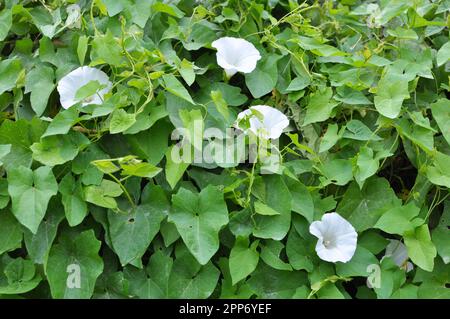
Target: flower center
327, 243
88, 99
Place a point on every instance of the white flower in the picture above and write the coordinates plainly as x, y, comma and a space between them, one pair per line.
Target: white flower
72, 82
337, 238
236, 55
264, 121
397, 251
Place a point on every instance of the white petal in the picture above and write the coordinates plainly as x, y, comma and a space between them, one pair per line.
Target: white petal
340, 235
397, 251
316, 229
274, 121
72, 82
270, 124
230, 72
236, 55
248, 63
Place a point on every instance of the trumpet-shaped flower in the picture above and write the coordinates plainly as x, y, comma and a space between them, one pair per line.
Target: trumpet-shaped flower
236, 55
337, 238
263, 120
397, 251
69, 85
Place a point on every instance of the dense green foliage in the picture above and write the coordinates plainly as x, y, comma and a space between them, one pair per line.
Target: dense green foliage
93, 190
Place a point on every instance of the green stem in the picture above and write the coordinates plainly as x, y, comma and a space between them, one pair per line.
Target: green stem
250, 184
124, 189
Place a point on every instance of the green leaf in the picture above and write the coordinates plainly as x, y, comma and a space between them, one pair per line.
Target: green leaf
40, 82
278, 197
357, 130
299, 83
330, 138
175, 168
103, 195
336, 171
391, 278
167, 8
191, 280
10, 233
62, 122
320, 106
4, 196
263, 209
270, 283
148, 118
198, 218
82, 48
420, 248
441, 238
406, 292
373, 241
172, 85
265, 76
439, 173
21, 277
390, 10
350, 96
186, 70
243, 259
220, 104
363, 208
270, 254
418, 135
398, 220
74, 256
390, 95
358, 265
30, 193
105, 49
38, 245
198, 35
88, 90
302, 202
441, 114
75, 206
9, 73
141, 169
4, 150
132, 233
317, 47
152, 143
298, 253
59, 149
433, 290
106, 166
154, 282
114, 7
366, 165
121, 121
443, 54
5, 23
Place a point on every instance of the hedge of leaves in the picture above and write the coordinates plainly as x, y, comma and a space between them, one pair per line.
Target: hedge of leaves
92, 190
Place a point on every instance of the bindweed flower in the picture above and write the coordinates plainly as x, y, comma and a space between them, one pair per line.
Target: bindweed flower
236, 55
264, 121
397, 251
337, 238
69, 85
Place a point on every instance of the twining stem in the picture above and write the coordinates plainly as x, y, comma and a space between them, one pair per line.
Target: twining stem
123, 189
250, 184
